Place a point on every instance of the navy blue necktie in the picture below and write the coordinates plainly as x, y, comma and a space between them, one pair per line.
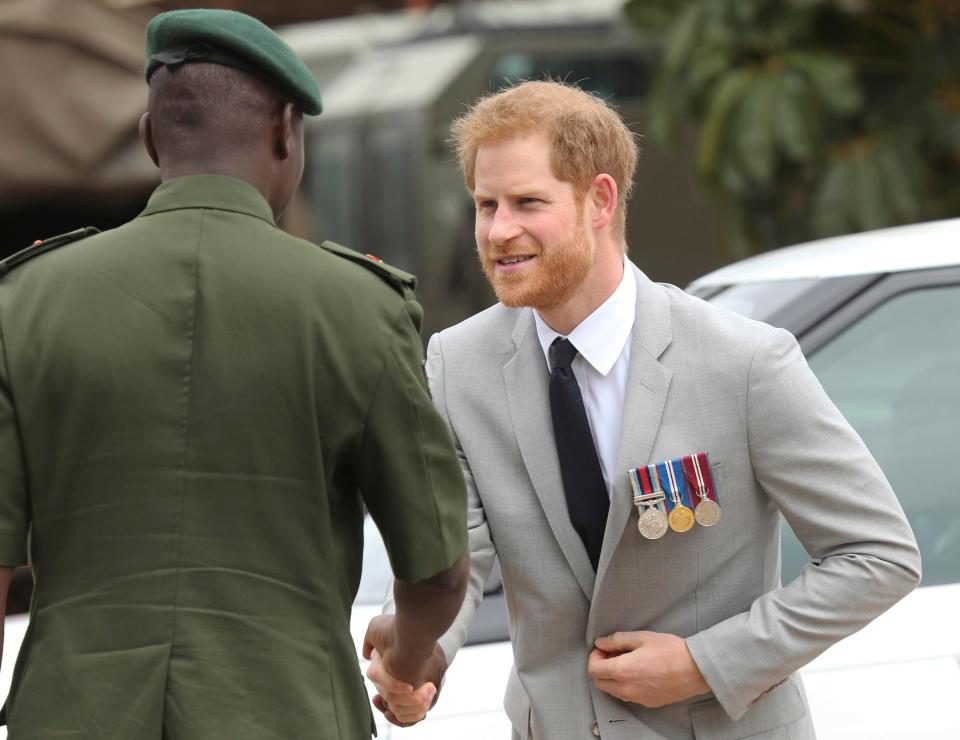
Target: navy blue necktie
583, 485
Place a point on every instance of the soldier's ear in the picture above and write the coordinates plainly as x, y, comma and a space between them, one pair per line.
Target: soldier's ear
146, 136
286, 130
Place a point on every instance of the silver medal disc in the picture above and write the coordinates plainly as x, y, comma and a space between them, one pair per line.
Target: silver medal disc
652, 524
707, 512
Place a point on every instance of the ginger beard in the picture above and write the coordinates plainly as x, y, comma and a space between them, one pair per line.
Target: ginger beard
558, 271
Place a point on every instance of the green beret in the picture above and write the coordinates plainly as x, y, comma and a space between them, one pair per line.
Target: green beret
235, 40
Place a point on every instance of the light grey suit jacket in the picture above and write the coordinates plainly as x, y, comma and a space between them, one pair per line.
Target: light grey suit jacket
700, 379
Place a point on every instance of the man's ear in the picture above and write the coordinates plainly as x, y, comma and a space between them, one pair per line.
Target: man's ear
146, 136
602, 197
286, 130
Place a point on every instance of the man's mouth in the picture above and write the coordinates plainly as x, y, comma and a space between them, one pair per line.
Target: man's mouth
515, 259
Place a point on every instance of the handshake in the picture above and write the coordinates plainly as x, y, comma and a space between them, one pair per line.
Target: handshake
406, 663
407, 683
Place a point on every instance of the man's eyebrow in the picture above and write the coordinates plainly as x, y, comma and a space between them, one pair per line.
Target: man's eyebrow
518, 193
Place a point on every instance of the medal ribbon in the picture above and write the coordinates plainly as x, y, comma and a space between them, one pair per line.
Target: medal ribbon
680, 482
644, 483
661, 469
705, 473
694, 478
655, 486
671, 478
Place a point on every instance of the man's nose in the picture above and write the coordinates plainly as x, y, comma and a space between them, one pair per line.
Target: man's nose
504, 226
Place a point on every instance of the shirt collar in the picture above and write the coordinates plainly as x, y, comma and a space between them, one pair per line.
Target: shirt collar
219, 192
601, 336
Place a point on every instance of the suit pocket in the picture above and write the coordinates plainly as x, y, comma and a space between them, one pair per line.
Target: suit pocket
516, 704
771, 712
717, 471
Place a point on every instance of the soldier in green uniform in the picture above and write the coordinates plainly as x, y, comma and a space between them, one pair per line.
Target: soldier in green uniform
195, 410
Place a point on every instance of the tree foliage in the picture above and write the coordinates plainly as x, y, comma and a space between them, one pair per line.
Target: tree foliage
813, 117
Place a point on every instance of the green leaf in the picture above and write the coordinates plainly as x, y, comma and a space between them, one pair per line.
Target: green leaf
732, 179
684, 38
830, 212
664, 109
738, 240
795, 125
653, 15
832, 77
868, 196
754, 142
722, 103
903, 196
719, 32
706, 69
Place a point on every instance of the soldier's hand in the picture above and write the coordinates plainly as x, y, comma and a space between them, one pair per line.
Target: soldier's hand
648, 668
402, 702
380, 636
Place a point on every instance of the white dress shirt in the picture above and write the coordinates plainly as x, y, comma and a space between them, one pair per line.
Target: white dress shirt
602, 341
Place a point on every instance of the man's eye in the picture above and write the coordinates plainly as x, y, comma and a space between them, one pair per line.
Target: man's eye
528, 201
486, 205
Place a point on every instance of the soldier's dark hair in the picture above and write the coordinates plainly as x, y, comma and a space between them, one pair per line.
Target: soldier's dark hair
199, 107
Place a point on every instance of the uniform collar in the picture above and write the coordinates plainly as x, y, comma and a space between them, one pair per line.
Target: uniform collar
219, 192
601, 336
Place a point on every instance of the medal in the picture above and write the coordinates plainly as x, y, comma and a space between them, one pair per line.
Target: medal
707, 512
652, 524
652, 521
680, 517
707, 508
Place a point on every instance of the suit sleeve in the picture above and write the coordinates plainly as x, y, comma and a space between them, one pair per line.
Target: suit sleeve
482, 551
821, 476
14, 507
409, 477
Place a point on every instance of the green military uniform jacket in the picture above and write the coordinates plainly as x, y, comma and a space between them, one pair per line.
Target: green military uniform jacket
194, 409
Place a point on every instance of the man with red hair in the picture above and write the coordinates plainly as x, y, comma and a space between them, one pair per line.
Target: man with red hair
602, 421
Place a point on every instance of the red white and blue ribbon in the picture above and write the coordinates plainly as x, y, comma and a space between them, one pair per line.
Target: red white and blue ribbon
670, 473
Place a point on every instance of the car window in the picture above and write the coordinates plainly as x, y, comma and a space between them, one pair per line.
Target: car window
759, 300
895, 375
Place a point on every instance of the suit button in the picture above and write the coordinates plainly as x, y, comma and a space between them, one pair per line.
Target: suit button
595, 730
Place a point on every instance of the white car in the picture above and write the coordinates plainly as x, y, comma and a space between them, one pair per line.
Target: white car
878, 316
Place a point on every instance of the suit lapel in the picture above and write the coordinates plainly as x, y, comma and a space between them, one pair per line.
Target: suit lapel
647, 384
527, 383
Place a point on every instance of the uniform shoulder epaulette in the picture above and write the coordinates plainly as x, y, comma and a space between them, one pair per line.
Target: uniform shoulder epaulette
400, 280
45, 245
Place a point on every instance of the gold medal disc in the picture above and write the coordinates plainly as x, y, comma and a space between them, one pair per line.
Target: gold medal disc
652, 524
707, 512
681, 518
